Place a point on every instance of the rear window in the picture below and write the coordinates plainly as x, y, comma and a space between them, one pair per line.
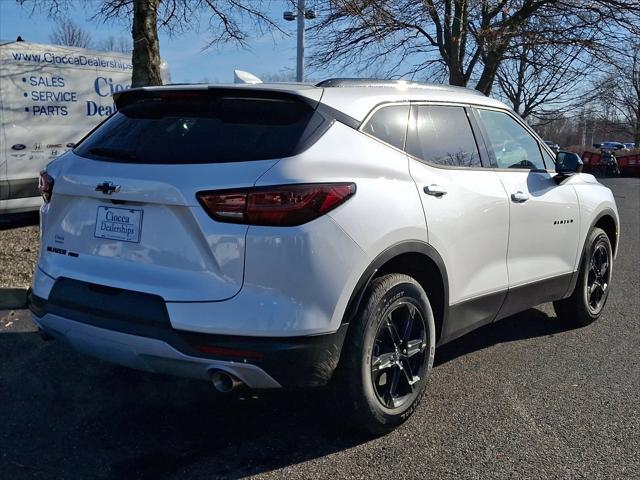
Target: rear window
389, 124
204, 128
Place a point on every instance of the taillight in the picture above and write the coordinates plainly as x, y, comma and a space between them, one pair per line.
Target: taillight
45, 186
281, 205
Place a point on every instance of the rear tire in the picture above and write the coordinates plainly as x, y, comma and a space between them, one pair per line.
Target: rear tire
387, 356
586, 303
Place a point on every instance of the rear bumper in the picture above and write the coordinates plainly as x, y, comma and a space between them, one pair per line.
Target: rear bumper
117, 331
144, 353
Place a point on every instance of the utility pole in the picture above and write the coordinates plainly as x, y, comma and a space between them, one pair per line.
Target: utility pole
300, 46
300, 15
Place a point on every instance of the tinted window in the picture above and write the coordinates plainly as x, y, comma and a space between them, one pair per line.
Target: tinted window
443, 135
202, 128
512, 145
389, 124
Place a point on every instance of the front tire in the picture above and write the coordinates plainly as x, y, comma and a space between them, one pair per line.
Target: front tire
589, 297
388, 355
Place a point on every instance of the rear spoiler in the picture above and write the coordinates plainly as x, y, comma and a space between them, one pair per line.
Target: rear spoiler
135, 95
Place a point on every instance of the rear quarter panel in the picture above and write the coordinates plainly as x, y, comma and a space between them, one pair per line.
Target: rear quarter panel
385, 210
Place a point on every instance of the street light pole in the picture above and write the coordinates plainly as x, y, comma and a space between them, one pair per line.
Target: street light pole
300, 50
301, 13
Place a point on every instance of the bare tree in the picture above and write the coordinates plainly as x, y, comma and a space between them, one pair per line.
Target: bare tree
70, 34
583, 128
468, 39
283, 76
115, 44
225, 21
538, 79
619, 90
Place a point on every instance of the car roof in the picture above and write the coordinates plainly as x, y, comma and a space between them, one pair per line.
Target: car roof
357, 97
357, 101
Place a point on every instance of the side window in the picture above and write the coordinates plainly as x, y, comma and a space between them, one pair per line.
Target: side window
389, 124
443, 135
513, 146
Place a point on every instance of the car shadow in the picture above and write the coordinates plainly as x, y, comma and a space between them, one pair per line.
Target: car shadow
531, 323
17, 220
71, 416
13, 298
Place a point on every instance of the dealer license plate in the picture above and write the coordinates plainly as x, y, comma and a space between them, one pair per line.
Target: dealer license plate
122, 224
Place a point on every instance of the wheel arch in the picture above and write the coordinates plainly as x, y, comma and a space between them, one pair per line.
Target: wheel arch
607, 220
416, 259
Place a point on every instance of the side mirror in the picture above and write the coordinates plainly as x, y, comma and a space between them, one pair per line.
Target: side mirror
568, 163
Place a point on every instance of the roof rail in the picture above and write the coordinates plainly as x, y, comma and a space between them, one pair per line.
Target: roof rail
363, 82
378, 82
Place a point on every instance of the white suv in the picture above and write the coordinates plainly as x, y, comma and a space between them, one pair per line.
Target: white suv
271, 236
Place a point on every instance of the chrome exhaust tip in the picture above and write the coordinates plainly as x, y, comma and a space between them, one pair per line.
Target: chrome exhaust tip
224, 382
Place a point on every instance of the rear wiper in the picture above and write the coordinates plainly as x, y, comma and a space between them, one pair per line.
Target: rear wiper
112, 153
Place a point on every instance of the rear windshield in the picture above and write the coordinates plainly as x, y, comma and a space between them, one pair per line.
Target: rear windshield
204, 128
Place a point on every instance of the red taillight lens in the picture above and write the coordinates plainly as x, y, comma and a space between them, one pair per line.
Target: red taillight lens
45, 186
283, 205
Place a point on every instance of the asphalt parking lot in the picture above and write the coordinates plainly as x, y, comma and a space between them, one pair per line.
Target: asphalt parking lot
524, 398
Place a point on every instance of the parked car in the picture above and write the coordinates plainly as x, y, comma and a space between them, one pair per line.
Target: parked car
552, 145
630, 146
610, 146
267, 236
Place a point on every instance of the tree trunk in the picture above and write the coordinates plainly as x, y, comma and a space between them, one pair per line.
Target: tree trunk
456, 76
146, 47
488, 76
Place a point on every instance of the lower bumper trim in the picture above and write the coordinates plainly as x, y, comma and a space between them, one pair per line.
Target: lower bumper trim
145, 353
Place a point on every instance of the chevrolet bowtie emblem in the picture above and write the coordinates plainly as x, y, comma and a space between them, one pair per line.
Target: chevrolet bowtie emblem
107, 188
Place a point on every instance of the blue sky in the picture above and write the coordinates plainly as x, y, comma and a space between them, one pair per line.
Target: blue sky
268, 54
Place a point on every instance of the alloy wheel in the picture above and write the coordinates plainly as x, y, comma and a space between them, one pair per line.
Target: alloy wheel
598, 278
398, 357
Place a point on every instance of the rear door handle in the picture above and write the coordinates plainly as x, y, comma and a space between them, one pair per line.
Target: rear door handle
519, 197
435, 190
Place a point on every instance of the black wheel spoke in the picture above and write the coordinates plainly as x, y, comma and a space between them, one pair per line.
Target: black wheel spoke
597, 256
393, 386
595, 293
408, 374
409, 323
393, 332
413, 347
382, 362
599, 292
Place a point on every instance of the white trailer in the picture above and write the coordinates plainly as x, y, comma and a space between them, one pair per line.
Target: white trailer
50, 97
